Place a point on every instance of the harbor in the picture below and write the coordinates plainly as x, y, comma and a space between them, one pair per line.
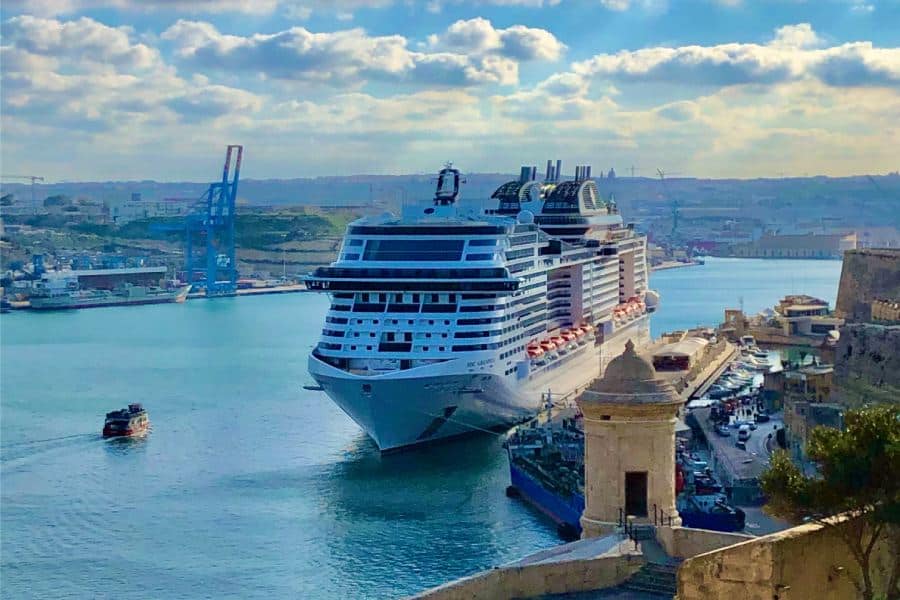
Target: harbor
271, 491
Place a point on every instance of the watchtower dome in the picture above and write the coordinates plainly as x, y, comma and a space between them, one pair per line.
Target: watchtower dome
629, 453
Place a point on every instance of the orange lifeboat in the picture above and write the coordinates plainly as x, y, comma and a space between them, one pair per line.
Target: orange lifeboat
535, 351
568, 335
587, 328
558, 340
547, 345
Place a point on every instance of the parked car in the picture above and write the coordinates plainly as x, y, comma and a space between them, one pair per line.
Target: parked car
763, 418
723, 431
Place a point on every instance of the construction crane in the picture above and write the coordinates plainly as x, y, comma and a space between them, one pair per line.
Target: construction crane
33, 179
211, 220
662, 179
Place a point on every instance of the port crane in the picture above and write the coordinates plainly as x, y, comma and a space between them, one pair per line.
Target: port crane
662, 179
33, 179
209, 231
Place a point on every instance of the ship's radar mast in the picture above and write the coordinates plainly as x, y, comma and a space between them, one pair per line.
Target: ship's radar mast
447, 186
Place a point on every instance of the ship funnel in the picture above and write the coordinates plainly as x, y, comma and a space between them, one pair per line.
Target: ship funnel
533, 173
524, 174
588, 174
558, 171
549, 169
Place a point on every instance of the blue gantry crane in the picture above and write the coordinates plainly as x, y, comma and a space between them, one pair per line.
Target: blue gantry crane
216, 225
209, 252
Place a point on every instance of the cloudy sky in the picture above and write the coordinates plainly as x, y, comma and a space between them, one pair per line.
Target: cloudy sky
154, 89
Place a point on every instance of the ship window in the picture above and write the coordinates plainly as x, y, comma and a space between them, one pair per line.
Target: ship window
476, 257
349, 256
367, 387
425, 348
405, 250
490, 242
354, 242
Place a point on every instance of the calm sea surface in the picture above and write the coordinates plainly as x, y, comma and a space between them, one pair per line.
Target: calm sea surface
248, 485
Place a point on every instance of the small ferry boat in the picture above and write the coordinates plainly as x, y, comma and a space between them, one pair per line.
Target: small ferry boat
127, 422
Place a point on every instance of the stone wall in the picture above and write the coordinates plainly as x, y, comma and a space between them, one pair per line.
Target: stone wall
684, 542
867, 364
536, 580
809, 561
867, 275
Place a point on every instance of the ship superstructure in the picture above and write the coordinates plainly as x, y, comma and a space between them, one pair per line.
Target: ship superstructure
445, 321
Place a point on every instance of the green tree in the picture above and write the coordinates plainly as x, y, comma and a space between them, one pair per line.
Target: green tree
858, 474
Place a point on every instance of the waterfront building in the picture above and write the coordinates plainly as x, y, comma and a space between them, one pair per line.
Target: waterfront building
797, 320
629, 426
807, 245
680, 355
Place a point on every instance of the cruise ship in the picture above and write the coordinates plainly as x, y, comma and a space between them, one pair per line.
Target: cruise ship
449, 320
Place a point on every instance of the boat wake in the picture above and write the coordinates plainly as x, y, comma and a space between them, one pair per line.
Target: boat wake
17, 453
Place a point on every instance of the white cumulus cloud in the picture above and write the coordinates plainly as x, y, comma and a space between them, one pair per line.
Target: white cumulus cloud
795, 53
468, 53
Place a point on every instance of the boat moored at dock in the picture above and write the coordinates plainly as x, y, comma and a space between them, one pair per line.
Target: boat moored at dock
446, 321
70, 296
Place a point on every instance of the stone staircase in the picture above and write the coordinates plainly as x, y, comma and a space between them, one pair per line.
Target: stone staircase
654, 580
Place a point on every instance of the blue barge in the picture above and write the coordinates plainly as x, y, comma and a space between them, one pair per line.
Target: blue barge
546, 468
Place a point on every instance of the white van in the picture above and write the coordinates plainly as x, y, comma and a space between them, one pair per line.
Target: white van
744, 433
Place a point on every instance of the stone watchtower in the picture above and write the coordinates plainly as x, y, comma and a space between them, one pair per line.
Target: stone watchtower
629, 452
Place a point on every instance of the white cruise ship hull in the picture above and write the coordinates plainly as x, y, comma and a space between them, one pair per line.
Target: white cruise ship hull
449, 399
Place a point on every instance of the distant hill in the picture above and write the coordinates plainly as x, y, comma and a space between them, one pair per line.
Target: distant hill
859, 200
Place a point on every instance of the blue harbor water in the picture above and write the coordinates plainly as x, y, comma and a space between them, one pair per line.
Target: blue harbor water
248, 485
